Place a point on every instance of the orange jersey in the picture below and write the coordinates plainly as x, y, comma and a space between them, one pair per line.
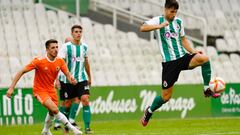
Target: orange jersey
46, 72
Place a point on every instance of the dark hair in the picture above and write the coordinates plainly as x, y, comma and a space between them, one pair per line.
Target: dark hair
49, 42
76, 26
171, 4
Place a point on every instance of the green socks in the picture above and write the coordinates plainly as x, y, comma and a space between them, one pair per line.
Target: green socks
86, 116
73, 111
157, 103
206, 73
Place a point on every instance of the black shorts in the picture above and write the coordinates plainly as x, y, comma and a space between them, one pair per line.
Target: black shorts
69, 91
172, 69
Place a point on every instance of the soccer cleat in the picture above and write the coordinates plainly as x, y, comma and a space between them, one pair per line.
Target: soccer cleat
88, 131
46, 132
146, 116
57, 127
209, 93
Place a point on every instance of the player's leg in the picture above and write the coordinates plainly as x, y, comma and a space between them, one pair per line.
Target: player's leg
52, 107
47, 123
73, 110
203, 61
57, 124
42, 97
67, 106
64, 105
156, 104
63, 108
48, 103
170, 73
69, 94
86, 113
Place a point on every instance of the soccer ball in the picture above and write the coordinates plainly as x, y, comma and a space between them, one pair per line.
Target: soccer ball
217, 85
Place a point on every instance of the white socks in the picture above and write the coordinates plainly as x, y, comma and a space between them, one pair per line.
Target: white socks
61, 117
71, 120
48, 121
205, 87
149, 110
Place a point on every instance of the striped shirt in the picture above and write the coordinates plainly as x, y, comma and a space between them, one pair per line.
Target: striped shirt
169, 38
74, 56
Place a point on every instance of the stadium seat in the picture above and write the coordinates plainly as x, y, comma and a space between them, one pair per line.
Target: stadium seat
221, 45
116, 57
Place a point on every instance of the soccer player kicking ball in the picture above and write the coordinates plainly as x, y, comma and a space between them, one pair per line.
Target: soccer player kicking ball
46, 71
172, 42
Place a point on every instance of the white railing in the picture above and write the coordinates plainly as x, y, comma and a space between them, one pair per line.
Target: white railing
133, 17
97, 4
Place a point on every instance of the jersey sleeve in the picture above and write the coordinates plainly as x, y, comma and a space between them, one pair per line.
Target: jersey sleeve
182, 32
32, 65
62, 52
153, 21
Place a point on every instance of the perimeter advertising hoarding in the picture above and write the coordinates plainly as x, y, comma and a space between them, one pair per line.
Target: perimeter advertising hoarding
123, 102
229, 103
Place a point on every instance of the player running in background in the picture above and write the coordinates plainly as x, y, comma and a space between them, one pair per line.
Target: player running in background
46, 71
76, 57
172, 42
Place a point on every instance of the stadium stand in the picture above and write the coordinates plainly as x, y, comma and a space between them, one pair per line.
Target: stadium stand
116, 57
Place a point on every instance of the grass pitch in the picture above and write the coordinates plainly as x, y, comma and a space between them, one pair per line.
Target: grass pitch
208, 126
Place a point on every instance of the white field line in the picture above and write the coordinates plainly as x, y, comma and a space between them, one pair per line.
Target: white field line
131, 134
223, 133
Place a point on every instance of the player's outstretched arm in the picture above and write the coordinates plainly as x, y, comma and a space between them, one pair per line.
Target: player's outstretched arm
15, 80
147, 28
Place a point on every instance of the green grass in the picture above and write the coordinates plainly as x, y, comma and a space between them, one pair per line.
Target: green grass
210, 126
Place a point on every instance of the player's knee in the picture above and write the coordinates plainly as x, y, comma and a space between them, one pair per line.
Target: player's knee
54, 110
166, 98
203, 59
85, 100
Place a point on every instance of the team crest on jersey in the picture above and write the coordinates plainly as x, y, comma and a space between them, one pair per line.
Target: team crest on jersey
165, 84
65, 95
86, 87
58, 68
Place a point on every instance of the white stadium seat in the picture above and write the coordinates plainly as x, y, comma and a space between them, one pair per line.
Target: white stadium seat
116, 57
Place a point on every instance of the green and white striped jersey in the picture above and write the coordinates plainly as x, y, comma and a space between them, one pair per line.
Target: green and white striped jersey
169, 38
74, 56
